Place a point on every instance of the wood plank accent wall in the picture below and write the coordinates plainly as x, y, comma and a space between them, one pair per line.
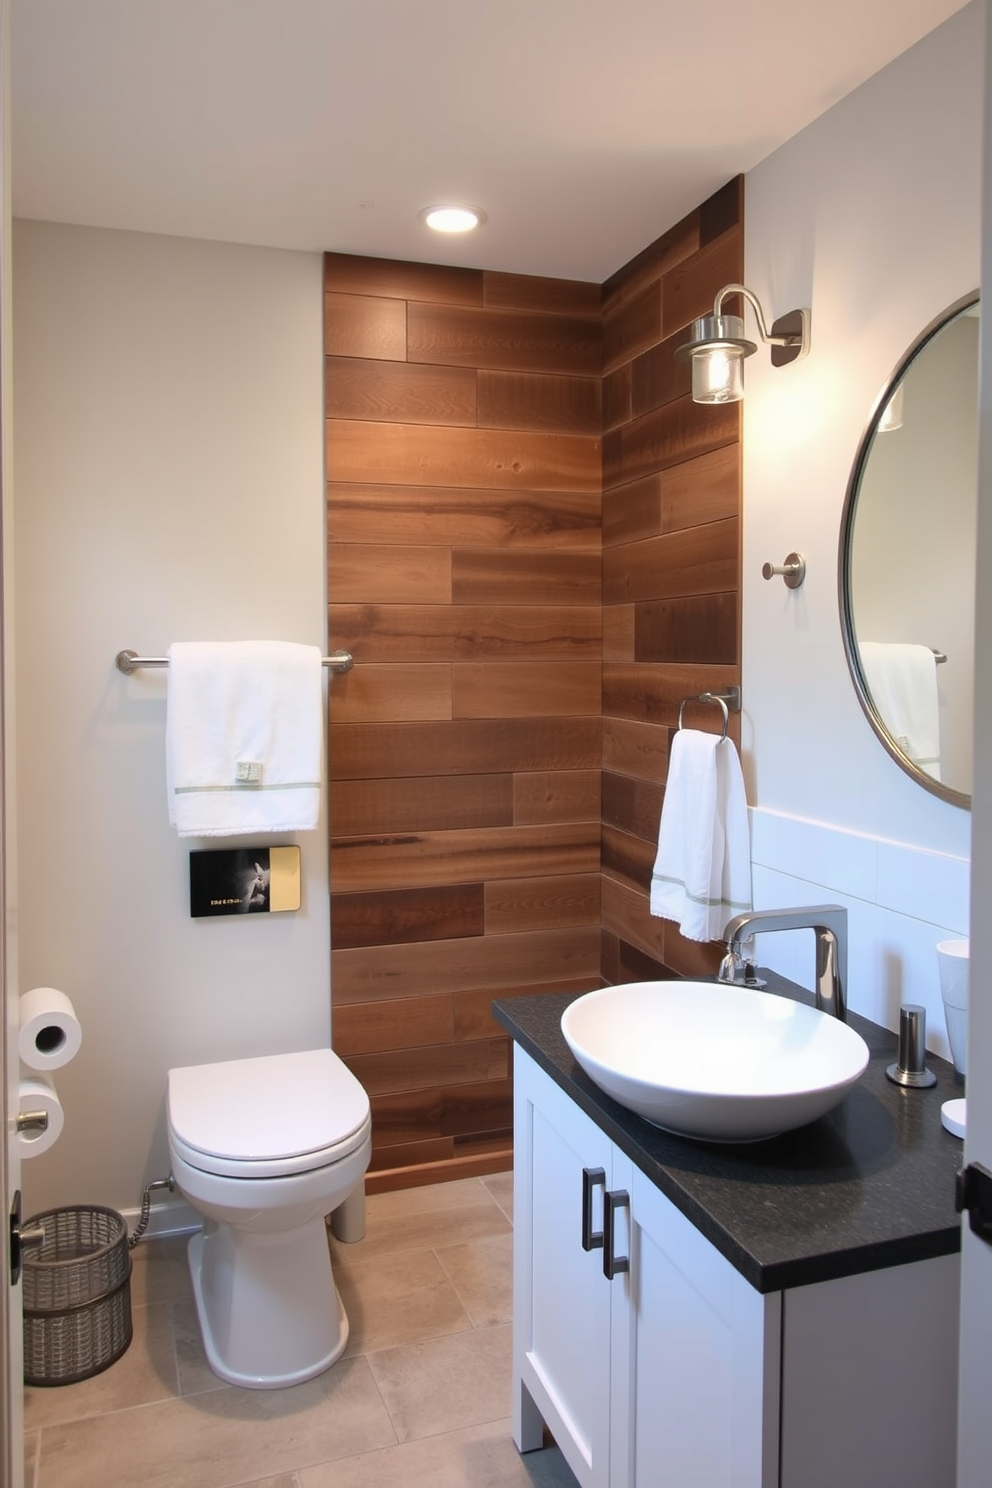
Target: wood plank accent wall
534, 555
671, 563
464, 459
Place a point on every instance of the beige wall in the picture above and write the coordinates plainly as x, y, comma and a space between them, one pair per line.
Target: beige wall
169, 468
870, 216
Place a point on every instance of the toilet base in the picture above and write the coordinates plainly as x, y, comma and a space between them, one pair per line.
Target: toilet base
269, 1312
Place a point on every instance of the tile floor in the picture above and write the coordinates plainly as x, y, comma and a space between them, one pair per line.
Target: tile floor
422, 1394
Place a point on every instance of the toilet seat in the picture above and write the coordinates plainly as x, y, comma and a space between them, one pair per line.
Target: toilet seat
268, 1117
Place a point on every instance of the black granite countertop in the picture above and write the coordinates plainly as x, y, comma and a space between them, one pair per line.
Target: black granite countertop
867, 1186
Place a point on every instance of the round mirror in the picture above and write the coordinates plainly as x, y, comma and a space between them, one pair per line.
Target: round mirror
907, 557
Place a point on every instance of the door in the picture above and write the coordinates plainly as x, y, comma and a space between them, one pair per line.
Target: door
11, 1372
975, 1419
561, 1298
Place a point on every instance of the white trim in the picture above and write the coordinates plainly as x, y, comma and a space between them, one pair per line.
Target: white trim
171, 1217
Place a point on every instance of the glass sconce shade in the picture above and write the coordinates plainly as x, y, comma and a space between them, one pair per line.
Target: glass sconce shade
718, 376
718, 347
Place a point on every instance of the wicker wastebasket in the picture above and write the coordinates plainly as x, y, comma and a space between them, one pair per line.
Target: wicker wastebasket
77, 1295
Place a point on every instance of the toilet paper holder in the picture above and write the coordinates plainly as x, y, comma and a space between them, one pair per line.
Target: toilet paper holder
31, 1121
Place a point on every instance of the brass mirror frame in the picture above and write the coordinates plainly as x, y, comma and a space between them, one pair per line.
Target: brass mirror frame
845, 598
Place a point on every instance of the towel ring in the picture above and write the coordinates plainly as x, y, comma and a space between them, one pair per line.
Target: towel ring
731, 699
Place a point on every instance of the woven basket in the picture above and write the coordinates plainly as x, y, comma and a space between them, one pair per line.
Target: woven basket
77, 1295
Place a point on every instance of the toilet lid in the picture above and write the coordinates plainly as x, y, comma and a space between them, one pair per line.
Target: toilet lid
274, 1108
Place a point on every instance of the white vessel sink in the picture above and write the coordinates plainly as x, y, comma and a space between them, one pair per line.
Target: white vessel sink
725, 1064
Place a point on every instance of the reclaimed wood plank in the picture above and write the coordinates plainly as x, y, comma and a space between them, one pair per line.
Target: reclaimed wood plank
496, 459
397, 1070
680, 242
364, 808
398, 392
691, 287
364, 326
697, 628
388, 573
633, 806
559, 577
542, 296
507, 340
473, 1008
525, 689
551, 903
352, 273
618, 632
631, 326
465, 747
462, 517
392, 694
639, 749
419, 859
550, 796
694, 560
404, 915
539, 401
487, 963
399, 1024
676, 431
421, 633
627, 914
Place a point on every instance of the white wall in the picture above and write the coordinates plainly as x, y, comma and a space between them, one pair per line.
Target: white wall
871, 217
168, 464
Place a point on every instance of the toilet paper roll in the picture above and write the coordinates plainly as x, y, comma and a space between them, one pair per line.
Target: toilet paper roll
50, 1033
37, 1093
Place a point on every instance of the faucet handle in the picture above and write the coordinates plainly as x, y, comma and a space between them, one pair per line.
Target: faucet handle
912, 1069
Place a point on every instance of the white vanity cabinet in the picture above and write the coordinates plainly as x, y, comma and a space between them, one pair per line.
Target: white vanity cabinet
666, 1374
677, 1373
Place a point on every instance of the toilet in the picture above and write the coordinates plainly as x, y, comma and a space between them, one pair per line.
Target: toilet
264, 1149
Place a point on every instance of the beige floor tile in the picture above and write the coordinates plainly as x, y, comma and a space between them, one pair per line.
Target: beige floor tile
478, 1457
427, 1198
481, 1272
195, 1374
423, 1218
146, 1372
31, 1442
160, 1272
500, 1185
284, 1480
222, 1438
394, 1299
446, 1383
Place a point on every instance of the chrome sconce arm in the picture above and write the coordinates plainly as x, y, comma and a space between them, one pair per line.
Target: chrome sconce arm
718, 346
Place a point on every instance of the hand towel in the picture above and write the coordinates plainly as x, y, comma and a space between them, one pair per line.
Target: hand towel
902, 680
244, 734
702, 874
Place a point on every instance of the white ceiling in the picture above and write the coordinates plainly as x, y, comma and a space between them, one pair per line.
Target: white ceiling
585, 128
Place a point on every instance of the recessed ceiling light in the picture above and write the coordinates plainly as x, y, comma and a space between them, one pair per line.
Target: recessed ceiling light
453, 219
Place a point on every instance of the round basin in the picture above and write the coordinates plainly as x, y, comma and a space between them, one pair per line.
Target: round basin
724, 1064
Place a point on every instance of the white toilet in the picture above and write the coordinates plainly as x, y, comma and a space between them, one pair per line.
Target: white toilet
264, 1149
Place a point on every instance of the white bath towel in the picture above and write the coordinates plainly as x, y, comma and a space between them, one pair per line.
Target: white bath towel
902, 680
702, 874
244, 734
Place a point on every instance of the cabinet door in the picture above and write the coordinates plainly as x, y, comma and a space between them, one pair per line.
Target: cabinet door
695, 1358
561, 1303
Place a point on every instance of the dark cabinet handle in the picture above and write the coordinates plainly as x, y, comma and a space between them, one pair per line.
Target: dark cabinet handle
591, 1178
613, 1199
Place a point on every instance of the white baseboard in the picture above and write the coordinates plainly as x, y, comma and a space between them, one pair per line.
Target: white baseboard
168, 1217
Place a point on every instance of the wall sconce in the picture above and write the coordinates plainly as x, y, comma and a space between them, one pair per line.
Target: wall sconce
718, 347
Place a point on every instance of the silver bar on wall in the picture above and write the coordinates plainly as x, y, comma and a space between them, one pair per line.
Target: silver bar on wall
129, 661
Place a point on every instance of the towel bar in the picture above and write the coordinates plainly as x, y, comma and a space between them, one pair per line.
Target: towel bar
728, 702
129, 661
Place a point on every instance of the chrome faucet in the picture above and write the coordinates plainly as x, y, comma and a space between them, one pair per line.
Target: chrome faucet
828, 923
